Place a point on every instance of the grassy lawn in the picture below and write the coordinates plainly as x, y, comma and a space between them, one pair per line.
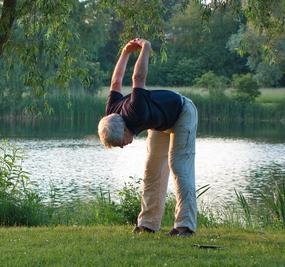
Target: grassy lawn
116, 246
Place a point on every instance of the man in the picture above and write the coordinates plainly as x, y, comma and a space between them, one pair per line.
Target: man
171, 121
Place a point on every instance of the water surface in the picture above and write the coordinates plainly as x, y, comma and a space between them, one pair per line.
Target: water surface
66, 158
79, 167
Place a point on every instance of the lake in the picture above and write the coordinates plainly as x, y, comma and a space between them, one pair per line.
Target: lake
72, 163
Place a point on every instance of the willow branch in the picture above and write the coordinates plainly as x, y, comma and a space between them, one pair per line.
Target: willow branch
6, 21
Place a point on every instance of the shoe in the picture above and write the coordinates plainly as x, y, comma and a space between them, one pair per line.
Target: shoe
183, 233
142, 229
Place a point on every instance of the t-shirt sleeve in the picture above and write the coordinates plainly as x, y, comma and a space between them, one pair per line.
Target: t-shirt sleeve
113, 100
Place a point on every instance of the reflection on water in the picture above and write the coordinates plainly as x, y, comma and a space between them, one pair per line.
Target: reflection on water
54, 128
79, 167
262, 131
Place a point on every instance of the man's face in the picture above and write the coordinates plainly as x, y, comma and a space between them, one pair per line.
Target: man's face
127, 139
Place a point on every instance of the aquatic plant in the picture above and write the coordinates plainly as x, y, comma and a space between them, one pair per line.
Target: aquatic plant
244, 205
19, 205
275, 201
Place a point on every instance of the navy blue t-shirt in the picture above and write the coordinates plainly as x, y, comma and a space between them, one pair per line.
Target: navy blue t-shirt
146, 109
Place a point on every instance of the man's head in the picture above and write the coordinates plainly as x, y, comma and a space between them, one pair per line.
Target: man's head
112, 131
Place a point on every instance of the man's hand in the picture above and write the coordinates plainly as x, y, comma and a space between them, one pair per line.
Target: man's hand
142, 43
131, 46
136, 44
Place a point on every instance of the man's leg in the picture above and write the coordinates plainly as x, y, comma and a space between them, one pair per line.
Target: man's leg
155, 180
182, 165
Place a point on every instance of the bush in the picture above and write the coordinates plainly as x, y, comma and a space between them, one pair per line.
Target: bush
246, 88
214, 83
19, 205
130, 204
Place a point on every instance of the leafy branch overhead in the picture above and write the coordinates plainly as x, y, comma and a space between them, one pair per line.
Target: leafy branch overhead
44, 39
7, 19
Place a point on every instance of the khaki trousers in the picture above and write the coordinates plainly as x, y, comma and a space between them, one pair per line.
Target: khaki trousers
172, 150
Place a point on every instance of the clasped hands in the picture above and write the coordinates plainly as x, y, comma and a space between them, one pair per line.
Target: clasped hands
136, 44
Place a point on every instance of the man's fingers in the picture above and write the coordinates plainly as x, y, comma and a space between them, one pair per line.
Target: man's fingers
134, 40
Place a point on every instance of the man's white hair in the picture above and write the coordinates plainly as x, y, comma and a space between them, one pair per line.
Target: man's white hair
111, 130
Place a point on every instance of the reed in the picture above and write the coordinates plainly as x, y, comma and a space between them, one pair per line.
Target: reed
226, 109
275, 201
19, 205
86, 108
246, 210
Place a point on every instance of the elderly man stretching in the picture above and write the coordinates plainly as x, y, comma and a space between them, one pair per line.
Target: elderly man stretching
171, 121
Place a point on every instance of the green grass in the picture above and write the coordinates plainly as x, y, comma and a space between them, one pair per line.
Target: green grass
271, 95
268, 95
117, 246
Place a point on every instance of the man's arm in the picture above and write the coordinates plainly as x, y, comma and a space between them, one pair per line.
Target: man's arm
119, 71
141, 66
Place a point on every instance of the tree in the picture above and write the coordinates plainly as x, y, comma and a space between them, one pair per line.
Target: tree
196, 46
43, 37
7, 18
246, 87
268, 66
50, 49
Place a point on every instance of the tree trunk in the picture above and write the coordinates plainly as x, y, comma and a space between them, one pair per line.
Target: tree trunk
6, 21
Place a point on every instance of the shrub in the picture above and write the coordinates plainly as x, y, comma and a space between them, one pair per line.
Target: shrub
130, 203
246, 88
275, 201
19, 205
214, 83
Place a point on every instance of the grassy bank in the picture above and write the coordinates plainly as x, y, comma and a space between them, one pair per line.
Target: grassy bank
116, 246
87, 108
98, 232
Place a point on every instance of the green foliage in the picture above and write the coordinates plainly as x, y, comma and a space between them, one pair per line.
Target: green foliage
101, 210
130, 201
56, 46
262, 40
268, 75
275, 201
226, 108
86, 110
202, 43
266, 208
10, 91
266, 16
246, 87
43, 46
73, 44
246, 210
266, 60
176, 72
19, 205
214, 83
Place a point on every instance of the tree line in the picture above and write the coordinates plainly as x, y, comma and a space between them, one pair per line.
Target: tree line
72, 46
